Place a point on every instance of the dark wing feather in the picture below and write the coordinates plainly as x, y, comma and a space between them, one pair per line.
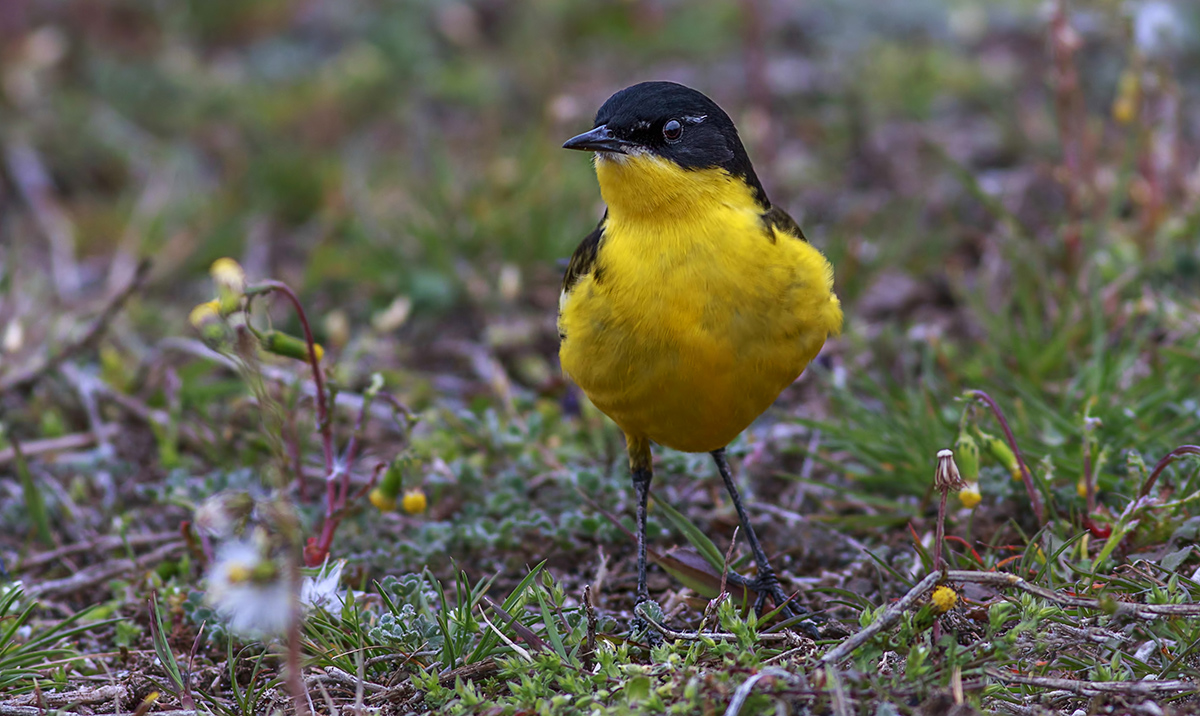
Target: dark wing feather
776, 218
583, 261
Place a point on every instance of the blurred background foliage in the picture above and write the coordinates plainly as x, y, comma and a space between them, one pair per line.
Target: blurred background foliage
992, 224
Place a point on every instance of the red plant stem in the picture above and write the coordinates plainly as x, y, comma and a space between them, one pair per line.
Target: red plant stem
317, 550
322, 411
940, 536
379, 467
1034, 498
938, 563
313, 557
1162, 465
336, 491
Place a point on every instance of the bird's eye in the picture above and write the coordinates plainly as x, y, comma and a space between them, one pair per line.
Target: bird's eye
672, 131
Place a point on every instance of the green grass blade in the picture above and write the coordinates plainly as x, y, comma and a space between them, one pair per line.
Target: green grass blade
488, 642
552, 634
694, 535
34, 503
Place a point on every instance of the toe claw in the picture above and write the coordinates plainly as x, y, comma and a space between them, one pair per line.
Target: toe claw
768, 585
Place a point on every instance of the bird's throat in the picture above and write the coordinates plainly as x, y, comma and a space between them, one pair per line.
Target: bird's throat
648, 187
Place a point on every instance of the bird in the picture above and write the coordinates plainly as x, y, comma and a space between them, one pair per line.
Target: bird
695, 301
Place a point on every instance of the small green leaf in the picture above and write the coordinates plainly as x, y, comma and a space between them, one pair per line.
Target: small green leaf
637, 689
1171, 561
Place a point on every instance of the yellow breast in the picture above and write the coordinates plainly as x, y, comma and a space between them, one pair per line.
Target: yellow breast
695, 316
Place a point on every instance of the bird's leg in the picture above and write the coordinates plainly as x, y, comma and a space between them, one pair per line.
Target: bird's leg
641, 487
640, 466
766, 583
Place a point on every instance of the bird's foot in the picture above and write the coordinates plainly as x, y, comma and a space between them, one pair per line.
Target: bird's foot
640, 627
767, 585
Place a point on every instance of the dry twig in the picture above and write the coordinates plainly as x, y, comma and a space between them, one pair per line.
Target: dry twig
747, 687
100, 572
66, 443
334, 675
99, 544
892, 614
97, 695
1093, 688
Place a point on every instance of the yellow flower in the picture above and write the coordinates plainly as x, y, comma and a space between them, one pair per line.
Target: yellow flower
229, 274
245, 587
384, 495
207, 320
414, 501
969, 495
204, 314
943, 598
382, 501
1129, 91
231, 283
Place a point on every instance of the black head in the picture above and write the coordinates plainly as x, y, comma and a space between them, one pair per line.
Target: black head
674, 122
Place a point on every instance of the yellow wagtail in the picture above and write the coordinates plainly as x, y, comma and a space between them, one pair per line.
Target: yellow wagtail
695, 302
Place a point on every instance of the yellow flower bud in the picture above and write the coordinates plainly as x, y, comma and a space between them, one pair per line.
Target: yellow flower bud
282, 344
970, 496
206, 318
1124, 110
1081, 487
1125, 105
414, 502
382, 501
384, 495
943, 599
204, 314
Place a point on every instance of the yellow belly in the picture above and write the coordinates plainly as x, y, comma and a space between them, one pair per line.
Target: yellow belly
695, 324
